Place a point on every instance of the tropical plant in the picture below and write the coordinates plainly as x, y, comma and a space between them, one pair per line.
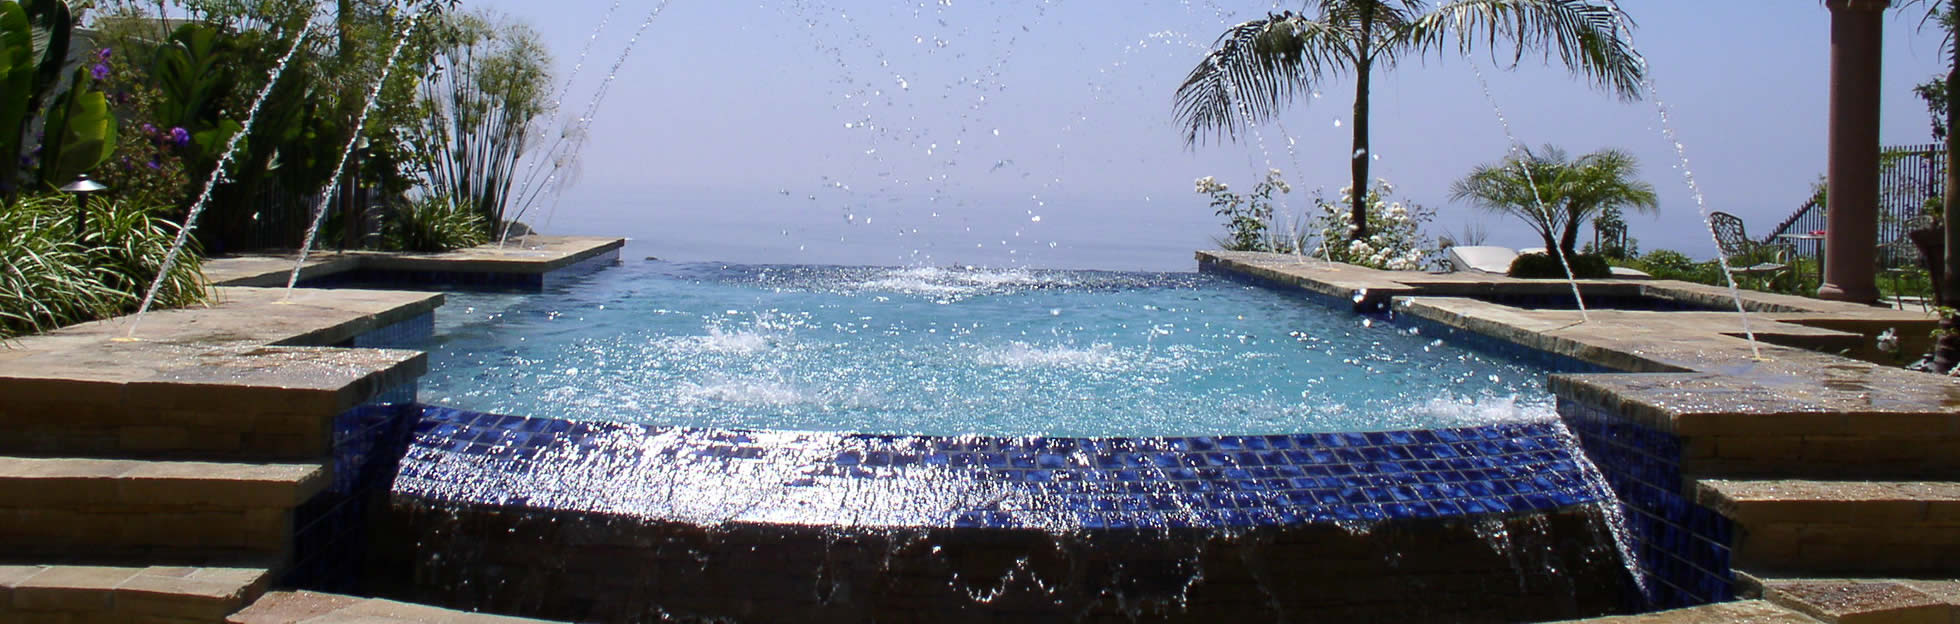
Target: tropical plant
1946, 349
1556, 195
479, 112
77, 130
1249, 218
1395, 238
433, 223
1257, 67
1544, 266
53, 277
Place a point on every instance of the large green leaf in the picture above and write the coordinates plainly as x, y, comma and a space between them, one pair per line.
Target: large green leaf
192, 75
16, 85
80, 132
50, 25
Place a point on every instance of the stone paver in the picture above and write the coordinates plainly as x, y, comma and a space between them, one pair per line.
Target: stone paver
525, 255
1741, 612
125, 594
1865, 601
320, 608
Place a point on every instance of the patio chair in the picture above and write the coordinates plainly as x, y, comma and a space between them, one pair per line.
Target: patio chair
1769, 259
1899, 259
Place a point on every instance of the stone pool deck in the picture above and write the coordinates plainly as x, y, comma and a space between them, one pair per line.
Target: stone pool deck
1837, 472
165, 478
523, 256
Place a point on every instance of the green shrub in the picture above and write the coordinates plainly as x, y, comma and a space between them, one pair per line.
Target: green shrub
433, 224
128, 242
1674, 265
50, 277
1541, 266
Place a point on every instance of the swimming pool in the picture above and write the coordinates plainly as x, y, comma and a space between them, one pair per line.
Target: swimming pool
664, 441
955, 351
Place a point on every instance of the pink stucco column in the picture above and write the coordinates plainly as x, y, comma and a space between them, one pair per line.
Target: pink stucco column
1851, 217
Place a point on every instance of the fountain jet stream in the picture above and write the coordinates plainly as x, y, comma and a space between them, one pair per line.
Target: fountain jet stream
354, 137
217, 175
560, 155
531, 172
1687, 174
1516, 149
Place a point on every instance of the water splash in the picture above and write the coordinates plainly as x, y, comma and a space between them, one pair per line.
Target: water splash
564, 153
353, 138
1517, 150
217, 175
1620, 23
531, 172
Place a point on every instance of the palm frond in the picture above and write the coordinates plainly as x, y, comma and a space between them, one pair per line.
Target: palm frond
1584, 35
1254, 70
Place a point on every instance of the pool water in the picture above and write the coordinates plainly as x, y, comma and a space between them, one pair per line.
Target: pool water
954, 351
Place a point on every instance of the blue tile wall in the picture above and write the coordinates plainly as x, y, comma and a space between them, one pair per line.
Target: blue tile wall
1088, 483
409, 334
580, 268
1367, 305
330, 531
1683, 548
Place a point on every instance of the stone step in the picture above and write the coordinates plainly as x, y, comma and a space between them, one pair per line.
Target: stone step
70, 509
1864, 601
137, 595
1741, 612
1807, 528
318, 608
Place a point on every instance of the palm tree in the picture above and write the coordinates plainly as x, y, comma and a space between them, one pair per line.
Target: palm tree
1559, 195
1258, 66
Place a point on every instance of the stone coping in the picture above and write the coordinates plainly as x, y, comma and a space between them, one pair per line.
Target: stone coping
1710, 370
252, 347
528, 255
287, 607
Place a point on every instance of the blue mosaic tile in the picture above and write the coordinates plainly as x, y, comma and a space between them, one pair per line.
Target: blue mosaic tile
409, 334
1107, 483
1684, 549
330, 532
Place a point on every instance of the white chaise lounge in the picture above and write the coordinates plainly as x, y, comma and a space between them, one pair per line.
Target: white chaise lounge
1497, 260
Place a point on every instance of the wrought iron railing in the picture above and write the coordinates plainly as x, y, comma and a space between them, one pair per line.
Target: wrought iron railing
1909, 176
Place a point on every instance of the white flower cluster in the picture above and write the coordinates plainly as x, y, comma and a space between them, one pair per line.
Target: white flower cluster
1394, 242
1209, 184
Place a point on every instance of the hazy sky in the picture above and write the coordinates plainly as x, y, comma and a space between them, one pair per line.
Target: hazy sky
783, 126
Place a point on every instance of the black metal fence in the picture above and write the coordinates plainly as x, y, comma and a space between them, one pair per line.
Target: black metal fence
1909, 176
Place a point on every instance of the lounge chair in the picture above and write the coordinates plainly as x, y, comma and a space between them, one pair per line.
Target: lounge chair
1497, 260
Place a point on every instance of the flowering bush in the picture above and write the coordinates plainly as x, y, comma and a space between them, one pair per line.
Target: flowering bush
1249, 218
147, 167
1395, 241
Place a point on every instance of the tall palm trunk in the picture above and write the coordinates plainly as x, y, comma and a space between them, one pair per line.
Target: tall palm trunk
1946, 351
1363, 59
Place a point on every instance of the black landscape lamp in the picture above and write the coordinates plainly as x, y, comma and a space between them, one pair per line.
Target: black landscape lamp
81, 188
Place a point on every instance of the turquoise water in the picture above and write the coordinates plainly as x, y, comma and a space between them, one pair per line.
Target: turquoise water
950, 351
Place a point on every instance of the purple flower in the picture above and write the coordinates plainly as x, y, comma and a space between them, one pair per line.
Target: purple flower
100, 71
180, 136
149, 129
102, 55
153, 164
